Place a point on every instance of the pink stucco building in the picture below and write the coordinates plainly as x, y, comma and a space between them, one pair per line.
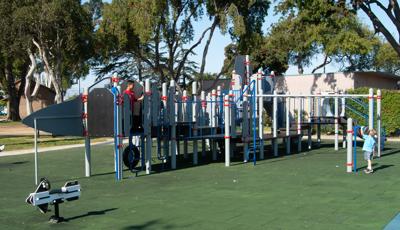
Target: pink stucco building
314, 83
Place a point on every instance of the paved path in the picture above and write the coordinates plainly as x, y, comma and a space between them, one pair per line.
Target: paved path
17, 129
46, 149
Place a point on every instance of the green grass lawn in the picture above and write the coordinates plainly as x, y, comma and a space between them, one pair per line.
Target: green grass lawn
9, 123
309, 190
27, 142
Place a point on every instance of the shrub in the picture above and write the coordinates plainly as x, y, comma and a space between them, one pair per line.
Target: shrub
390, 109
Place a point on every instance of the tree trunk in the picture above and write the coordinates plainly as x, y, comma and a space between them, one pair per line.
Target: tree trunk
13, 100
205, 51
28, 79
50, 70
326, 62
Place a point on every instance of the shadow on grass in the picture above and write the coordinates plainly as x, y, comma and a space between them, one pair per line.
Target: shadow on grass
365, 166
236, 159
153, 224
382, 167
390, 153
375, 168
92, 213
19, 162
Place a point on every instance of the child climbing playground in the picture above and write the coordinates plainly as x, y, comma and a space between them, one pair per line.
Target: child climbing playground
368, 148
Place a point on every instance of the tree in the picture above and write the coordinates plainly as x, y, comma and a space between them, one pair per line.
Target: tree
392, 12
59, 34
386, 59
311, 28
158, 37
13, 62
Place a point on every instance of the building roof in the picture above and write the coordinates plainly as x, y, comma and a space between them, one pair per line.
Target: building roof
379, 74
42, 87
376, 73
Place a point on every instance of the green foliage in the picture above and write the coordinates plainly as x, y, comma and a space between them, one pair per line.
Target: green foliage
386, 59
157, 37
309, 28
390, 109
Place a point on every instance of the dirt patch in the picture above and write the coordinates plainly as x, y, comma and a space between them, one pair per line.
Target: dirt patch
15, 129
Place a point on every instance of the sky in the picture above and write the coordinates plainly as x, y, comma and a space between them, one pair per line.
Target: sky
215, 57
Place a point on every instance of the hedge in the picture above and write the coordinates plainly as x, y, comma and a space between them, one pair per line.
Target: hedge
390, 109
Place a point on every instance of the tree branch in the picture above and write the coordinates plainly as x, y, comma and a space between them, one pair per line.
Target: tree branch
388, 12
205, 51
381, 28
183, 61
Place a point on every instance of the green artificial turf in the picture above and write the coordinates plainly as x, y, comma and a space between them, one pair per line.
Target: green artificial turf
26, 142
310, 190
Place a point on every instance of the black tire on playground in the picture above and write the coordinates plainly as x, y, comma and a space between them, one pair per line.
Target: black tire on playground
131, 158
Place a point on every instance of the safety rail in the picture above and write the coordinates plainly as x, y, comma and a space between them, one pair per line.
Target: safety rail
359, 102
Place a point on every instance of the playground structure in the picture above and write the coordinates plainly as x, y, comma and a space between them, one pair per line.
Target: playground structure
219, 120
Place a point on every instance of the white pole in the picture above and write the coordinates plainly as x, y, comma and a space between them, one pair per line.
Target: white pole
299, 114
309, 137
218, 105
247, 63
342, 115
185, 119
164, 99
232, 121
36, 151
172, 123
260, 115
213, 123
319, 119
371, 108
233, 114
203, 120
379, 119
336, 122
178, 117
287, 125
86, 133
227, 130
275, 124
245, 128
195, 120
147, 125
119, 169
349, 164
